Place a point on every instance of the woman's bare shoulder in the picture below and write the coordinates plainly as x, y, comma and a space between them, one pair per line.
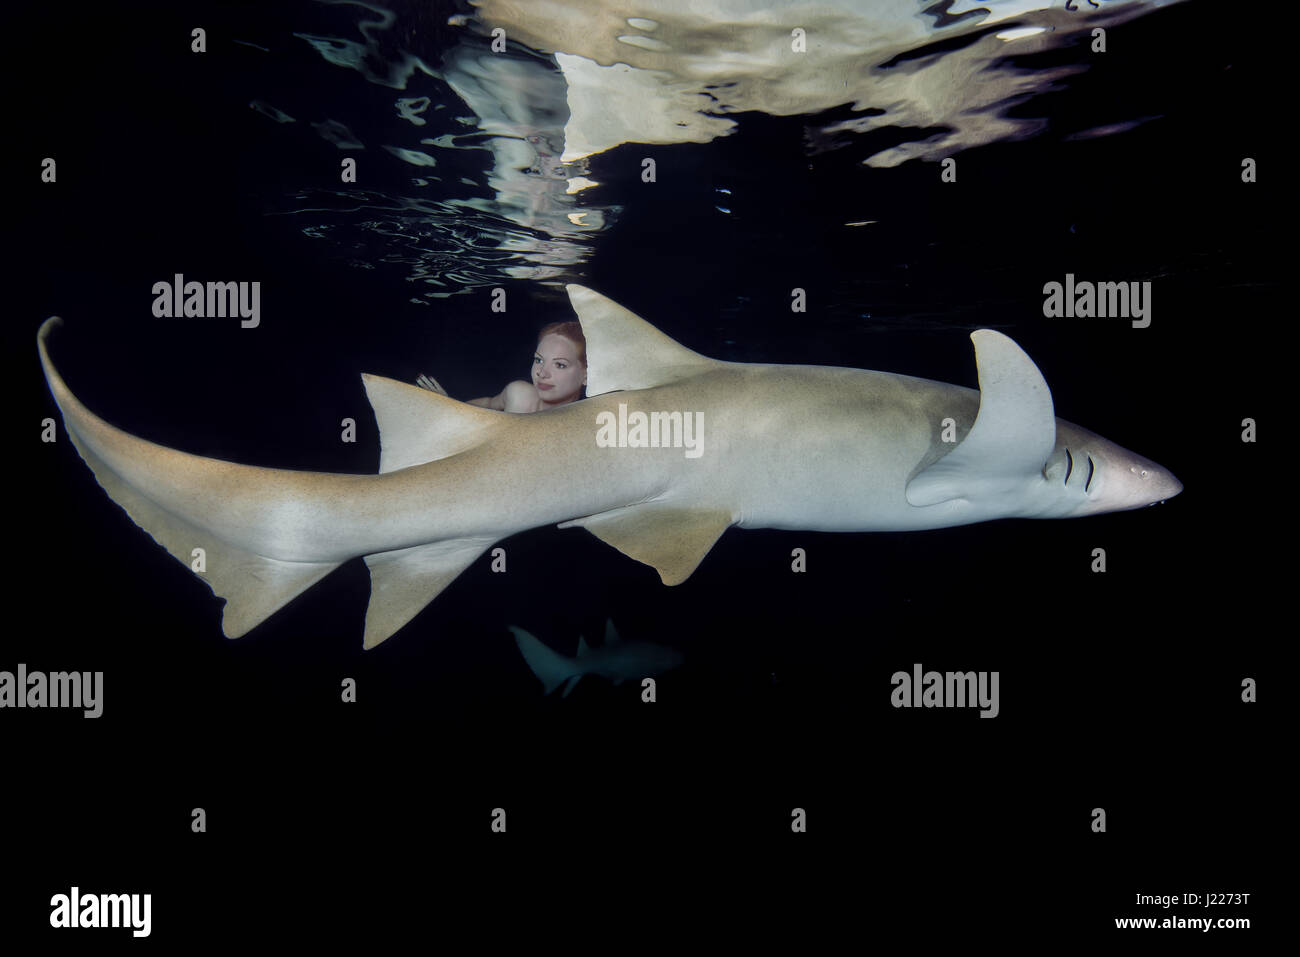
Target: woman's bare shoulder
520, 396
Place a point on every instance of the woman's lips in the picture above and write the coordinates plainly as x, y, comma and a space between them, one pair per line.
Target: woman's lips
543, 385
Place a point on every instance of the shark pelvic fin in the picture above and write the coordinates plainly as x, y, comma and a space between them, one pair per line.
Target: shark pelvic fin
625, 352
1013, 435
404, 580
671, 540
418, 426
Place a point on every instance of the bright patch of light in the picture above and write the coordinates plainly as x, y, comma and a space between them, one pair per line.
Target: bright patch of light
1021, 33
578, 183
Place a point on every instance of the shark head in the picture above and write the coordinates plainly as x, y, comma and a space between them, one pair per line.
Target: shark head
1087, 474
1020, 460
641, 658
620, 660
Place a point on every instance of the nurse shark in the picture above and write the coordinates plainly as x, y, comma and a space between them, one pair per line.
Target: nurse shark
816, 448
616, 659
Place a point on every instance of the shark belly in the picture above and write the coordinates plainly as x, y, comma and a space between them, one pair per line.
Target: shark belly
839, 459
542, 468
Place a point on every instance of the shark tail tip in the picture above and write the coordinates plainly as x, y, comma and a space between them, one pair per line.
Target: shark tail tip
48, 326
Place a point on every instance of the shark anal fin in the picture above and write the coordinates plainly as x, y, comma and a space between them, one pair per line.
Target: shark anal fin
404, 580
569, 685
254, 587
1013, 435
671, 540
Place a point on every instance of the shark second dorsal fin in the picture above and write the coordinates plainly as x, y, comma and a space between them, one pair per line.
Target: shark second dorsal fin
584, 649
1013, 435
418, 426
625, 352
611, 634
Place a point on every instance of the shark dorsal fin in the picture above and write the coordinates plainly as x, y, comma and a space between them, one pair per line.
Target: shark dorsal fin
625, 352
1013, 435
611, 633
583, 648
418, 426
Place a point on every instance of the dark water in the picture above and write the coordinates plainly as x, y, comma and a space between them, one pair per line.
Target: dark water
1119, 691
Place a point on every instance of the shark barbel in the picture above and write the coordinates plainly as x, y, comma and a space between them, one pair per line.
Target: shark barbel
815, 448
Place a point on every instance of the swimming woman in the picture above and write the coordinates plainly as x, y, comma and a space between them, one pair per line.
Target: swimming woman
559, 374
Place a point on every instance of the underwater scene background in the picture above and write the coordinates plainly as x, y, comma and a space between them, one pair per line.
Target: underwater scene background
522, 169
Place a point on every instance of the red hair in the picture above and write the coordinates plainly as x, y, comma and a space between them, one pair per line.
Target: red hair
572, 331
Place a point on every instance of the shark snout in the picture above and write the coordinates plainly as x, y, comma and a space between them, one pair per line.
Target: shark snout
1123, 479
1167, 486
1150, 484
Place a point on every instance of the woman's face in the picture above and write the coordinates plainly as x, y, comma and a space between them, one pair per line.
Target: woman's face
557, 373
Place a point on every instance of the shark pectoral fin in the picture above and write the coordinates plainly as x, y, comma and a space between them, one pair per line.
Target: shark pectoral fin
253, 586
403, 581
1013, 435
671, 540
418, 426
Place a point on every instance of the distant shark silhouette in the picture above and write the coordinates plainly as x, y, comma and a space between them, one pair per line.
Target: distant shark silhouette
616, 659
819, 448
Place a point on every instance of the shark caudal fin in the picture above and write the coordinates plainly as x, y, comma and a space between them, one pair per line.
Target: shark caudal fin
551, 668
418, 426
1013, 435
180, 500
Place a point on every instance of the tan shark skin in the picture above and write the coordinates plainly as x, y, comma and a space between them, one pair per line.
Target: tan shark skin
795, 447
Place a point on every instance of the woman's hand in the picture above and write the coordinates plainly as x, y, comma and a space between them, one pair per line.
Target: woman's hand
430, 383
